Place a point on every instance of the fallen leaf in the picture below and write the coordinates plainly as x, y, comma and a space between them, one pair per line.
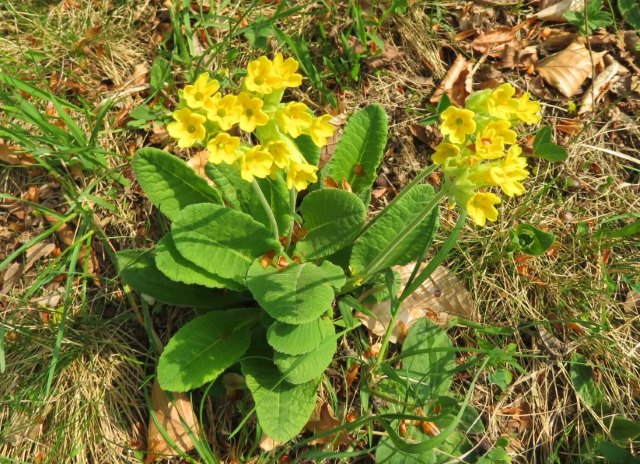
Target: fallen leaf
454, 83
556, 39
494, 42
632, 303
441, 297
389, 54
11, 276
65, 232
601, 84
267, 443
323, 419
140, 74
14, 271
10, 154
198, 162
170, 415
556, 12
567, 70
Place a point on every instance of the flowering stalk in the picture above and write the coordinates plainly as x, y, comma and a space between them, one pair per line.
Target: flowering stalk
267, 209
292, 205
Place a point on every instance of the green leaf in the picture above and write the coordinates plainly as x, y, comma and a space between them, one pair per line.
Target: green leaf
137, 268
221, 240
159, 74
203, 348
456, 444
177, 268
624, 429
282, 408
551, 152
309, 150
543, 136
302, 368
384, 232
630, 11
615, 454
235, 191
170, 183
299, 339
531, 240
329, 229
582, 379
277, 195
427, 356
495, 456
359, 151
502, 378
590, 20
295, 295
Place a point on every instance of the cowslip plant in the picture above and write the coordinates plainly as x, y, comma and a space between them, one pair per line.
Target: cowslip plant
265, 268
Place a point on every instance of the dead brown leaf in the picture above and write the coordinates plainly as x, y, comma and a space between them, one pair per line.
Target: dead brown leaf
14, 271
11, 154
556, 11
140, 74
632, 303
170, 415
323, 419
267, 443
454, 83
389, 54
440, 298
198, 162
494, 42
567, 70
601, 84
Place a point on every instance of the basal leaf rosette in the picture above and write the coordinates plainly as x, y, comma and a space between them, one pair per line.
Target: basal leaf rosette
480, 149
224, 123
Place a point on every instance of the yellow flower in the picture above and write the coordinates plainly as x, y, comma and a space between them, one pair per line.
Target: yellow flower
255, 162
501, 103
286, 69
457, 123
300, 175
490, 143
251, 114
293, 118
188, 127
203, 88
444, 151
261, 77
223, 148
321, 129
510, 172
280, 153
480, 207
223, 110
527, 111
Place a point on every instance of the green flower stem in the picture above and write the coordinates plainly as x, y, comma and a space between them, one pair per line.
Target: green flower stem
292, 205
402, 193
267, 209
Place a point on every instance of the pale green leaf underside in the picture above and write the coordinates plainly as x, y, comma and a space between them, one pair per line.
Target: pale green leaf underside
282, 408
308, 366
221, 240
170, 183
203, 348
384, 232
177, 268
360, 150
295, 295
299, 339
332, 219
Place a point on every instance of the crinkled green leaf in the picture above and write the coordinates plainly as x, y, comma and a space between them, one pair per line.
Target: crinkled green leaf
220, 240
177, 268
329, 229
583, 383
297, 294
383, 233
170, 183
302, 368
282, 408
137, 268
456, 444
298, 339
360, 151
203, 348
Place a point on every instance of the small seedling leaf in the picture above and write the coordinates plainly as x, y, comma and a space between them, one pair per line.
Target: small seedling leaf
531, 240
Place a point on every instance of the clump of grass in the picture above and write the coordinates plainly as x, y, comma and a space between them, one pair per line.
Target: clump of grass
93, 411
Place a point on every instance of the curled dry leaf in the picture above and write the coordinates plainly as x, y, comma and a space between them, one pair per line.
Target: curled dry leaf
323, 419
567, 70
440, 298
14, 271
454, 83
177, 419
267, 443
494, 42
556, 12
632, 303
198, 162
11, 154
601, 84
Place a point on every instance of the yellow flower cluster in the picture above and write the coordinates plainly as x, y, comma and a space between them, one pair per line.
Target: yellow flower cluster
480, 151
206, 117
